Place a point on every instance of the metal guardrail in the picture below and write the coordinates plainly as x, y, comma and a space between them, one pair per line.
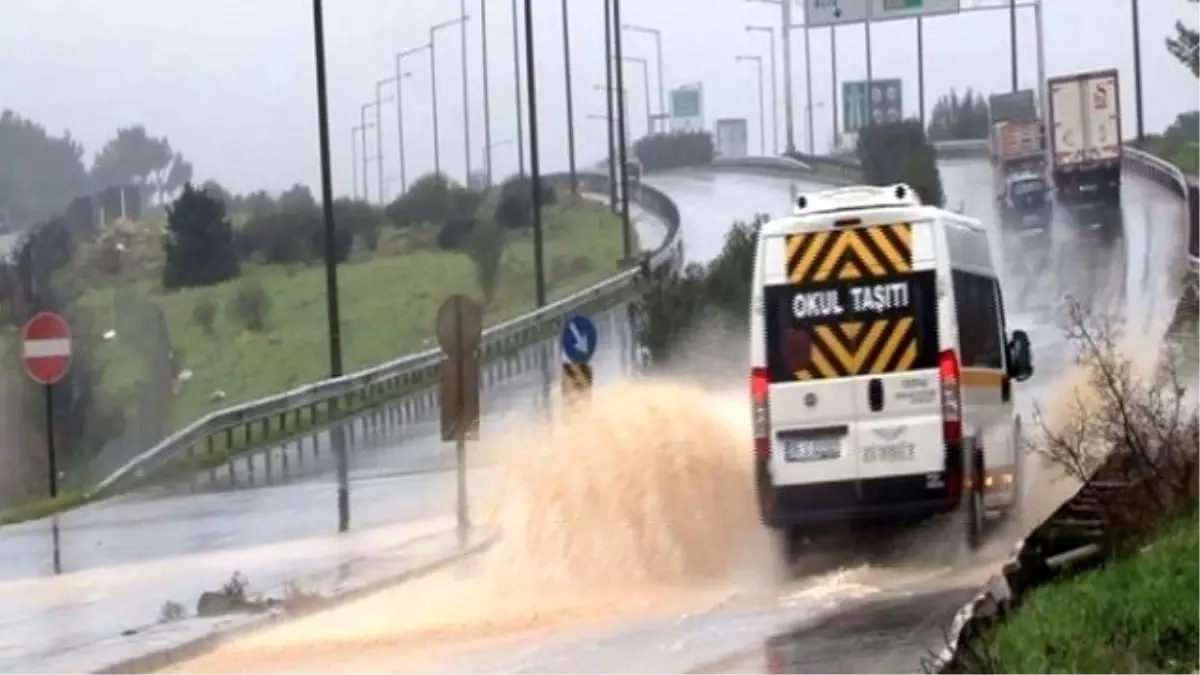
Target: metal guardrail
422, 369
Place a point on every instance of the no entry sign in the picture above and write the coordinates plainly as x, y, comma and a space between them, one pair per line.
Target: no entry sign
46, 345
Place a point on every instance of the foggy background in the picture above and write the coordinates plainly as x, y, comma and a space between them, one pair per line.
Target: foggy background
231, 82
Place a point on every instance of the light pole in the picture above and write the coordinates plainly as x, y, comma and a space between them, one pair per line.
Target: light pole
487, 95
622, 144
657, 34
433, 31
1137, 72
354, 131
400, 76
785, 26
379, 101
516, 35
762, 114
566, 33
331, 282
646, 89
535, 169
362, 113
774, 80
608, 106
466, 95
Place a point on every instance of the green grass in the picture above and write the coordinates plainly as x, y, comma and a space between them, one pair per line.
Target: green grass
388, 306
1138, 614
1183, 154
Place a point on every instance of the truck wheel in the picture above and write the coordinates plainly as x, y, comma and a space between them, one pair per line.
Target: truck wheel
975, 510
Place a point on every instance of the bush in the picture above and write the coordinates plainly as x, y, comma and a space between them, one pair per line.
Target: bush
250, 305
1135, 428
674, 150
900, 153
515, 208
199, 244
672, 306
454, 235
204, 312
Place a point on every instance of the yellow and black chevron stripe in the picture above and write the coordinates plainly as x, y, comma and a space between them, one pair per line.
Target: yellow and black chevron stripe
849, 254
577, 378
861, 348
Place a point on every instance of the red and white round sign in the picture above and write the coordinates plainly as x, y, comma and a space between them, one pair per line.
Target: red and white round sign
46, 347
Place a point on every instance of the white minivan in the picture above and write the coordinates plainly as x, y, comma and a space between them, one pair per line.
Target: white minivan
881, 367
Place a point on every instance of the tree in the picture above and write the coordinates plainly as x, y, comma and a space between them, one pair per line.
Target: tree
359, 218
1183, 46
901, 153
515, 208
957, 117
485, 247
39, 173
297, 198
199, 242
259, 204
217, 191
133, 156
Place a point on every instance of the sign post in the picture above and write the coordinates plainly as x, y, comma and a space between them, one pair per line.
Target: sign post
46, 349
579, 342
459, 330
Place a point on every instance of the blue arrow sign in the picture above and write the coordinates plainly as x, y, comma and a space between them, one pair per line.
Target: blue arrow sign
579, 339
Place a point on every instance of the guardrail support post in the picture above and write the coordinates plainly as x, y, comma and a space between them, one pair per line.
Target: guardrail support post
284, 460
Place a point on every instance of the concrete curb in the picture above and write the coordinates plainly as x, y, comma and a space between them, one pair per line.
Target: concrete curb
191, 649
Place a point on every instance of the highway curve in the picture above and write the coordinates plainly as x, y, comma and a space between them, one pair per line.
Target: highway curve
186, 534
879, 608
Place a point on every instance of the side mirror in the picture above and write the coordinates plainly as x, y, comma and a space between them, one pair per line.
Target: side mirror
1020, 356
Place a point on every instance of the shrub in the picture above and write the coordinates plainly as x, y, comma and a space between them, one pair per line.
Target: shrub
204, 313
199, 244
673, 306
900, 153
250, 305
515, 208
675, 149
1128, 421
454, 235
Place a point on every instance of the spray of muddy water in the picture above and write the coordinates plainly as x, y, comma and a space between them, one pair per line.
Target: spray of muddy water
641, 501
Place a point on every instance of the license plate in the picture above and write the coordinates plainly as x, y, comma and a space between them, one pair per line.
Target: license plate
811, 449
898, 452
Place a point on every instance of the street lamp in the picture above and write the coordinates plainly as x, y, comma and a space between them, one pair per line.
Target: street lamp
379, 101
774, 83
516, 35
487, 95
762, 115
785, 21
331, 285
400, 75
662, 108
646, 82
433, 31
362, 113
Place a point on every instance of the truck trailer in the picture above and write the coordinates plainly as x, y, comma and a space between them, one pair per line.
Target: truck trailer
1085, 137
1017, 149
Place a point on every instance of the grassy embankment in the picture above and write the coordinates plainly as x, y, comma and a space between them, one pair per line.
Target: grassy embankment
1137, 614
389, 300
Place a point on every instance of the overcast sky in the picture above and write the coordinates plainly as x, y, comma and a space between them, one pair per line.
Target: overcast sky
232, 84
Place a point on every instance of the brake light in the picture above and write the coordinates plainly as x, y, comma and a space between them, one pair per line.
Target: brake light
949, 375
760, 412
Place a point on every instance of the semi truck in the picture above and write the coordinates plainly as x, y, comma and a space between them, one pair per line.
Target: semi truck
1017, 148
1085, 137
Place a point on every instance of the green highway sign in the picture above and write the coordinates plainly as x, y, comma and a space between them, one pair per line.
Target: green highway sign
886, 103
686, 108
